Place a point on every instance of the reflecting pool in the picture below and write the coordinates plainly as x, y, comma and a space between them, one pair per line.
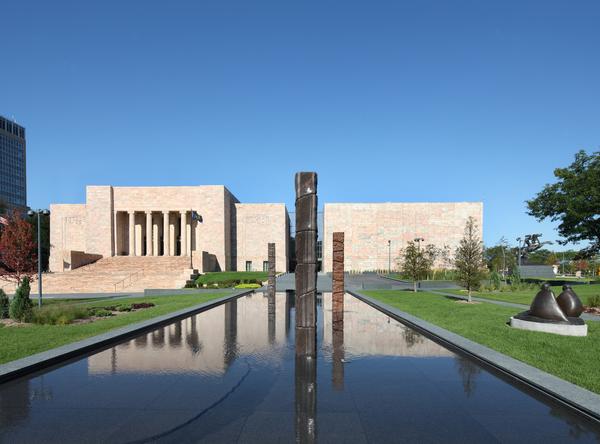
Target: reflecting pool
230, 374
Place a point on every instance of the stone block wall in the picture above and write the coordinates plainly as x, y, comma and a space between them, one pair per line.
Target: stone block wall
369, 226
256, 226
67, 232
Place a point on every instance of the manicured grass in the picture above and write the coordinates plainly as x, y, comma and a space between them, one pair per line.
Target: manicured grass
48, 301
571, 358
526, 296
18, 342
211, 278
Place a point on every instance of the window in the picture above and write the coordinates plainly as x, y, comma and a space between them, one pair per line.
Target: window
265, 265
248, 265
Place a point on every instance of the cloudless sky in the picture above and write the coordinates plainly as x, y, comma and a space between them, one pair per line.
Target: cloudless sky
387, 100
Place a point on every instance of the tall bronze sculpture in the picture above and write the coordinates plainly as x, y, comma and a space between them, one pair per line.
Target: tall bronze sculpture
306, 307
553, 315
531, 243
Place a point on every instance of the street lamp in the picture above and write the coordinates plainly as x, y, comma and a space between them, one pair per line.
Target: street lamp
31, 213
418, 240
519, 251
389, 257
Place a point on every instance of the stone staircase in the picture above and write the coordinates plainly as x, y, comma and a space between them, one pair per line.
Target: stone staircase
120, 274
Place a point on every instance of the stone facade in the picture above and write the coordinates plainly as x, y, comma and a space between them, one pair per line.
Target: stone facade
369, 226
156, 221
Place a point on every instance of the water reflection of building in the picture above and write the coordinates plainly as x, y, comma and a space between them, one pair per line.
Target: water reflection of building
368, 331
205, 343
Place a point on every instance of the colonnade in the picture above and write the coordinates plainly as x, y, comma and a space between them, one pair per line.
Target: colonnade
153, 233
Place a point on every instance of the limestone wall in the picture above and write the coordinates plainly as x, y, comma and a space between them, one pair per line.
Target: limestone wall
369, 226
67, 232
256, 226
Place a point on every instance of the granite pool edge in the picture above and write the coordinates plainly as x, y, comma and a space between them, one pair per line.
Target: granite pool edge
578, 398
29, 364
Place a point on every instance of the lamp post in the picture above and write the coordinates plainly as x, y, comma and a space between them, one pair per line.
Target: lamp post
519, 251
418, 240
389, 257
31, 213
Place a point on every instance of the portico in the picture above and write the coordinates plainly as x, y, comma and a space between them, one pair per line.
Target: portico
147, 232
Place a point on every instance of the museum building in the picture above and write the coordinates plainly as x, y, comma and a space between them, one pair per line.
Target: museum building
209, 226
157, 221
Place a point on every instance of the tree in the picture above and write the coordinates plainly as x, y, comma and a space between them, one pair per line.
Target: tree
415, 263
446, 259
18, 250
469, 258
574, 200
21, 307
4, 304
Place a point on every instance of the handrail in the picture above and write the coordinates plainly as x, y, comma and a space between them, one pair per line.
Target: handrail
130, 277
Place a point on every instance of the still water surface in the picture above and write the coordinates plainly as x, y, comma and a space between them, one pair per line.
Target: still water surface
230, 375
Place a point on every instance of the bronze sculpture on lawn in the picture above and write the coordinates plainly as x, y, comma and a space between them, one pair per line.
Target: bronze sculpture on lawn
550, 314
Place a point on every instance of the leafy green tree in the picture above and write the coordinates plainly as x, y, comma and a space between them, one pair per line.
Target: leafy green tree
574, 200
415, 263
4, 305
21, 307
539, 257
469, 258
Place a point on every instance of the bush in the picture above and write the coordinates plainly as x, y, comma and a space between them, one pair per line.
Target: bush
58, 314
142, 305
594, 301
248, 286
21, 307
4, 305
495, 280
99, 312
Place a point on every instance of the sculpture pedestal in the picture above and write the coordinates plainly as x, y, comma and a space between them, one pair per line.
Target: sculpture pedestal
524, 321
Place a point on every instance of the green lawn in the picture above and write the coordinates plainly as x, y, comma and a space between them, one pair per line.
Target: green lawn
18, 342
571, 358
526, 296
211, 278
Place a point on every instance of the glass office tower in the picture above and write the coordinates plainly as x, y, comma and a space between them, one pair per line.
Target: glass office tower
13, 182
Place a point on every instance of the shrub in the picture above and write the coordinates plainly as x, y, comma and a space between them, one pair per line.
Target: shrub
594, 301
4, 305
495, 280
248, 286
142, 305
21, 307
100, 312
124, 307
58, 314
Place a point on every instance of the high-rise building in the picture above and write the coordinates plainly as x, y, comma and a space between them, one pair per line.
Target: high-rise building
13, 178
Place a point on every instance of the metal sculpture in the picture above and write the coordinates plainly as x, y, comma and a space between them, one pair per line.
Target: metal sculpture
547, 308
531, 243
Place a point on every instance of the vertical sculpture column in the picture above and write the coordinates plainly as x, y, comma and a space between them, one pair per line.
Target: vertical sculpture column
165, 233
271, 258
306, 268
148, 233
306, 307
131, 233
183, 233
338, 312
271, 292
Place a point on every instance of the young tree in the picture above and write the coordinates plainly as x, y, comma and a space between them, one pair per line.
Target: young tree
469, 258
414, 263
21, 307
446, 258
574, 200
18, 250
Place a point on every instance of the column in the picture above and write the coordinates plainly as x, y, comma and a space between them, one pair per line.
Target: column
116, 236
131, 233
148, 233
166, 233
155, 236
183, 233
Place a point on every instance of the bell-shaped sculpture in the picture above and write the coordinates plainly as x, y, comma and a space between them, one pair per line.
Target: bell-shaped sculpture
569, 303
544, 306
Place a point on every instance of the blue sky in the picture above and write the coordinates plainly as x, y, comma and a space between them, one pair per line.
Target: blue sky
386, 100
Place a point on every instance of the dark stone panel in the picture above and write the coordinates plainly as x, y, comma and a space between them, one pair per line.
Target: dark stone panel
306, 183
306, 247
306, 213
